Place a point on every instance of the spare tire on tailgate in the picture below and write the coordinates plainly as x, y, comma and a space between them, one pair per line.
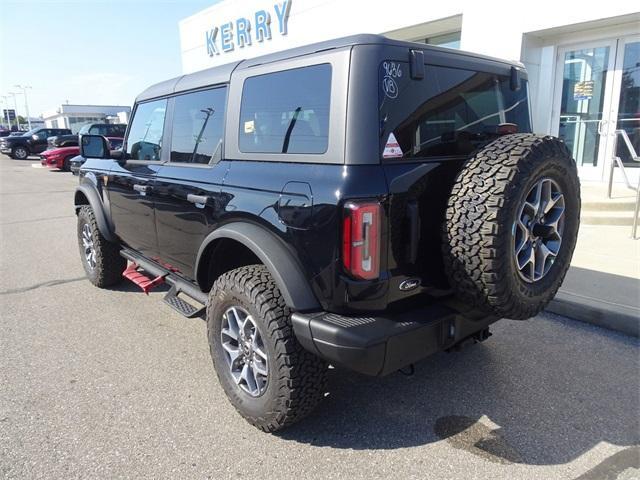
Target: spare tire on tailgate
511, 225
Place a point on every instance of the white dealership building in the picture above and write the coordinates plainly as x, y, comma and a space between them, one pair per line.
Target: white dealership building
75, 116
583, 58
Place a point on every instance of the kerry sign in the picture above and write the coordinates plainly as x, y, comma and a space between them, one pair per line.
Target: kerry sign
245, 30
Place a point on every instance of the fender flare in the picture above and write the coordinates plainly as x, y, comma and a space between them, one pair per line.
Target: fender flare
273, 254
95, 201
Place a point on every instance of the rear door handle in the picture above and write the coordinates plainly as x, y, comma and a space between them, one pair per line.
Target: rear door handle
199, 199
141, 188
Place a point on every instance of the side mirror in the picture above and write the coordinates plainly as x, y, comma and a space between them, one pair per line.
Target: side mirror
94, 146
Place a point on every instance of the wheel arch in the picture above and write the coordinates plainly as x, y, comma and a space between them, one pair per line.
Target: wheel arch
271, 252
87, 195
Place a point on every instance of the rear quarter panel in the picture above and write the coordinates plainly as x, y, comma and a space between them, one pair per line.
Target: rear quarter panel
258, 194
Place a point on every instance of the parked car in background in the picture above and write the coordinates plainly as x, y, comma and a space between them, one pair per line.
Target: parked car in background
109, 130
17, 133
62, 141
76, 163
31, 143
115, 130
4, 132
61, 157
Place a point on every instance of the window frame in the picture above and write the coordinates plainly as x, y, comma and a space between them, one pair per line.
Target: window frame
171, 108
291, 70
338, 60
163, 152
458, 65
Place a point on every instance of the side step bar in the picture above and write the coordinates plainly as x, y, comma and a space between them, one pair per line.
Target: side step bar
167, 275
179, 305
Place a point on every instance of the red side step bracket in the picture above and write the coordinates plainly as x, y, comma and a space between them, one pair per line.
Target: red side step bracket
145, 283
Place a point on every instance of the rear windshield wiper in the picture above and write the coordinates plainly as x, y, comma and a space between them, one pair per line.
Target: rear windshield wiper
292, 123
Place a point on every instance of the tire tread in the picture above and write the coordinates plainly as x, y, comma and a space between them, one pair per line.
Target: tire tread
477, 227
109, 263
302, 378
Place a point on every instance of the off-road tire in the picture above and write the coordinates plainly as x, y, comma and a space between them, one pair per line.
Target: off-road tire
109, 263
477, 233
296, 378
20, 153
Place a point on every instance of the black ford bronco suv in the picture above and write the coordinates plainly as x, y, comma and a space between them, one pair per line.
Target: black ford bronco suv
361, 202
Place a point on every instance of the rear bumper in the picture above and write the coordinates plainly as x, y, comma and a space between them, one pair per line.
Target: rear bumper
379, 345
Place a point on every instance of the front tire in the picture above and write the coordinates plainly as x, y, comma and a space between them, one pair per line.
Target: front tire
266, 374
101, 259
66, 164
20, 153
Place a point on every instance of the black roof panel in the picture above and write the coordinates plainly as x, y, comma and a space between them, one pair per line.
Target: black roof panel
222, 73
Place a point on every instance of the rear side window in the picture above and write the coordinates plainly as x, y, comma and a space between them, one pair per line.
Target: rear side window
145, 135
286, 112
451, 112
198, 122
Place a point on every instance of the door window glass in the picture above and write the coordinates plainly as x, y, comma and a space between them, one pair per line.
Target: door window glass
581, 109
198, 122
286, 112
145, 135
629, 102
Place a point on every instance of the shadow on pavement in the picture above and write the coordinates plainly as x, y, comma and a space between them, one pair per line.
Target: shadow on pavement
539, 392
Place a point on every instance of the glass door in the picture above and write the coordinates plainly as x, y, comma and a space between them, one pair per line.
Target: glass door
625, 112
583, 94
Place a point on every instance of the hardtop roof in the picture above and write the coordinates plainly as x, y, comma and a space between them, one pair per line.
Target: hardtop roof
222, 73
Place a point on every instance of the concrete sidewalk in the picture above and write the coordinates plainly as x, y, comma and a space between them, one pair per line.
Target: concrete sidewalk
602, 286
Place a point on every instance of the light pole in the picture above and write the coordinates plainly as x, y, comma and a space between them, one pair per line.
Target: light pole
15, 107
5, 113
26, 103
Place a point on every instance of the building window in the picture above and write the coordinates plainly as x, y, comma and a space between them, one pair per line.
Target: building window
449, 40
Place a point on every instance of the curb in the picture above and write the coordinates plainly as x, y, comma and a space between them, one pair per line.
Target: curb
612, 316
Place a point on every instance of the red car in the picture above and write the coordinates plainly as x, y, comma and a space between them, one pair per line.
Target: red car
61, 157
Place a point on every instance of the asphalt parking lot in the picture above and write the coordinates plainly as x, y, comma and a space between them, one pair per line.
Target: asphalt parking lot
114, 384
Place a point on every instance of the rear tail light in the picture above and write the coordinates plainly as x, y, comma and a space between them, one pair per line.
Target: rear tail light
361, 239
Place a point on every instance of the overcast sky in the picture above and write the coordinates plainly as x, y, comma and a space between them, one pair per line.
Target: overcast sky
88, 52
